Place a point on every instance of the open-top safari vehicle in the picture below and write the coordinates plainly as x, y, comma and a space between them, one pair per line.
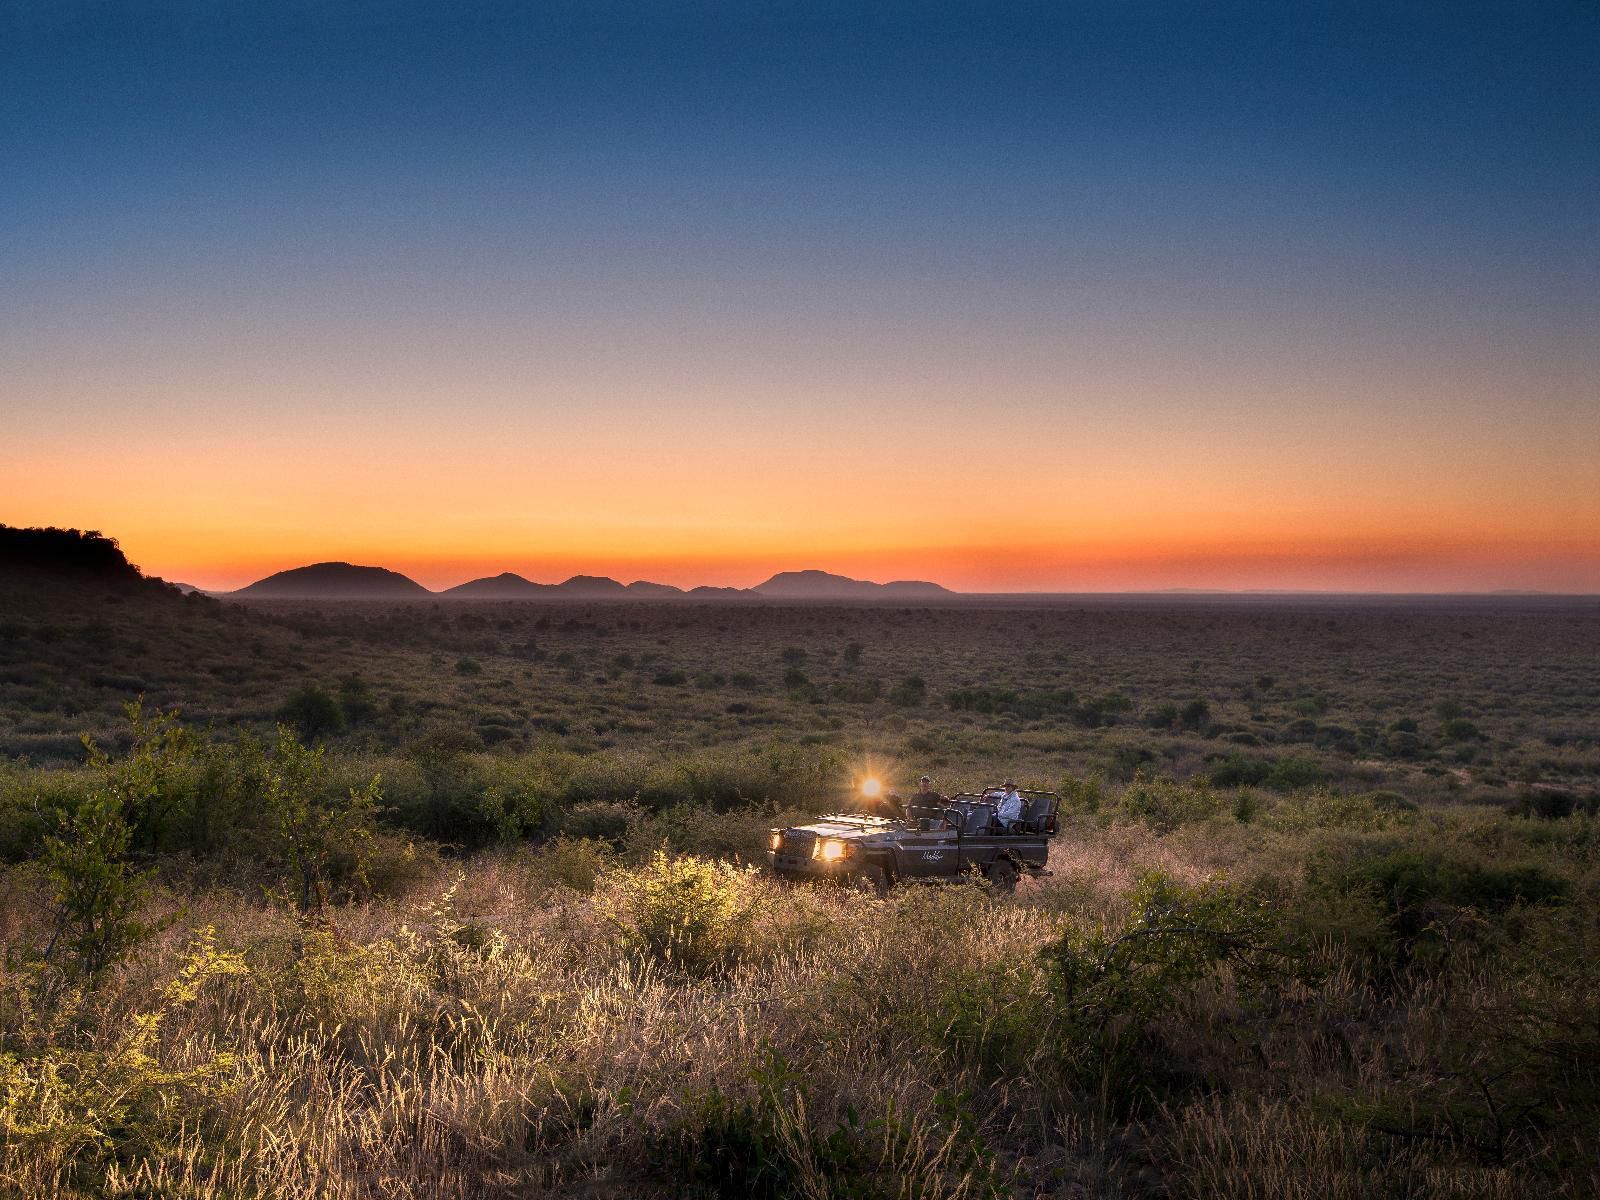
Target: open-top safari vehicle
926, 846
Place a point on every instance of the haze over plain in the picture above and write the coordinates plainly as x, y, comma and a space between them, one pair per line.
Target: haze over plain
1042, 297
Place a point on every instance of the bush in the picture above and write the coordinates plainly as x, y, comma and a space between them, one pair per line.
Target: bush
1113, 985
1412, 883
319, 833
910, 692
1545, 804
74, 1110
1164, 804
607, 821
575, 863
687, 914
313, 712
1030, 705
1195, 715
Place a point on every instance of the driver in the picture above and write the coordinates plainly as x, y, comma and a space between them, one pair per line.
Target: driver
1009, 813
926, 798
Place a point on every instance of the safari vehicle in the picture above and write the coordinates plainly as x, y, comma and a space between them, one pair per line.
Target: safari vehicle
925, 847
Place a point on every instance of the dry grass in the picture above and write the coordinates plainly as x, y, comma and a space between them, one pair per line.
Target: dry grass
499, 1033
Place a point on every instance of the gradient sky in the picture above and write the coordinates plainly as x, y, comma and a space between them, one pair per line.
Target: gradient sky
1060, 296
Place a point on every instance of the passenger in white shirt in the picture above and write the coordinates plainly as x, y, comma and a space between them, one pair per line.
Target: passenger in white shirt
1010, 810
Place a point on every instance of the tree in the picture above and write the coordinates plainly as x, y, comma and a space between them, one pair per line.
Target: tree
317, 831
97, 891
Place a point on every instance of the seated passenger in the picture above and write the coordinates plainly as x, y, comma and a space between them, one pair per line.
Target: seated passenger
1009, 815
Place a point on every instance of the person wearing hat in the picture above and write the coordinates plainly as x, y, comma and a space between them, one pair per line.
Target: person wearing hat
925, 803
1009, 813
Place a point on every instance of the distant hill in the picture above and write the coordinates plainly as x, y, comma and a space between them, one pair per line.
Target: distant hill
821, 585
73, 555
591, 585
339, 580
333, 581
506, 586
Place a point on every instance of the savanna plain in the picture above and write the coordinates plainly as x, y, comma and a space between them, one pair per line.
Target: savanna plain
466, 899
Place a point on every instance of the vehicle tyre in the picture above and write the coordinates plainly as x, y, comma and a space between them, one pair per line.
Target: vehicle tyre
1002, 876
871, 880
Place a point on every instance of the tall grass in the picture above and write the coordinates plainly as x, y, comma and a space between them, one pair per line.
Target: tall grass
579, 1020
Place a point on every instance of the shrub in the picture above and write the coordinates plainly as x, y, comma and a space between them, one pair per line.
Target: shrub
1412, 883
1160, 716
317, 831
313, 712
96, 892
575, 863
1113, 984
1195, 715
910, 692
1545, 804
1030, 705
1164, 804
606, 821
687, 914
72, 1111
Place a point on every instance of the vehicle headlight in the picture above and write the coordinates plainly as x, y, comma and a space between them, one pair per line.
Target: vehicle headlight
831, 849
775, 839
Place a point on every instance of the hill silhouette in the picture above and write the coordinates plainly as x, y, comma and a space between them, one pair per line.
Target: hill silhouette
591, 585
822, 585
643, 587
340, 580
508, 585
335, 580
75, 555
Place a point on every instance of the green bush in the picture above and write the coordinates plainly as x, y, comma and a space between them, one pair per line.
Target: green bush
1114, 986
688, 915
1165, 804
313, 712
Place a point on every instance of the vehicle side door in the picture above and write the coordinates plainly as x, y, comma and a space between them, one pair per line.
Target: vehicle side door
927, 853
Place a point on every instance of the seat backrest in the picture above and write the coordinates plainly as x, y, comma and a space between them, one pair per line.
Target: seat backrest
1041, 812
979, 818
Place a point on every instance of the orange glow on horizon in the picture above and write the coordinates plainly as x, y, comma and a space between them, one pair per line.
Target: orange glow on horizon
1356, 565
1092, 486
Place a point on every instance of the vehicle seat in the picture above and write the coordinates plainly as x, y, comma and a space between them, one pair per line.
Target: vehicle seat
1039, 813
980, 819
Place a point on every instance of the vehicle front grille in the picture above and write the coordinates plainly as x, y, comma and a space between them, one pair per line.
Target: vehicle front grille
797, 843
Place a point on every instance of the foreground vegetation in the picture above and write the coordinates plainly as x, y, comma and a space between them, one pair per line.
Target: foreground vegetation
1219, 992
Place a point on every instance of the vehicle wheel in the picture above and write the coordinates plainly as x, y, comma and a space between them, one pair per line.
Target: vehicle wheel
872, 881
1002, 876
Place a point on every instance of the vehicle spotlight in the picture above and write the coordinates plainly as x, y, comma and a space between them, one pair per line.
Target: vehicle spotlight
831, 849
872, 788
775, 839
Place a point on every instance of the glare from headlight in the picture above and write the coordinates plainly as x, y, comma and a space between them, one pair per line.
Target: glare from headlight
776, 839
831, 850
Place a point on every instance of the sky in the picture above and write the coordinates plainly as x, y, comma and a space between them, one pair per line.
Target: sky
1013, 296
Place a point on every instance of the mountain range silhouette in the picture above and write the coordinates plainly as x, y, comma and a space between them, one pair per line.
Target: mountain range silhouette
342, 580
